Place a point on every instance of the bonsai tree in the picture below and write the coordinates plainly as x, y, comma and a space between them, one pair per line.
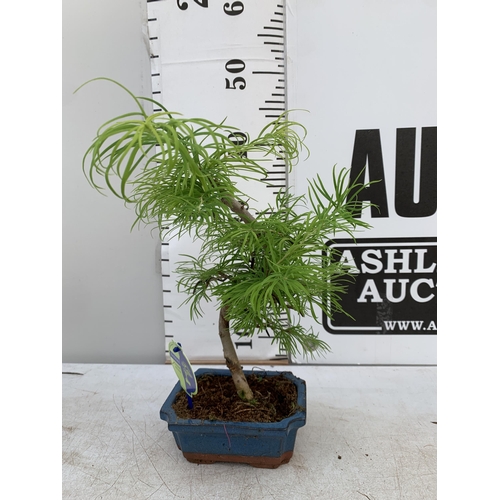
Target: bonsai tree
264, 269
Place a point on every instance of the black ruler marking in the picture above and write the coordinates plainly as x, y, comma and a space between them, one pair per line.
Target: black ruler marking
272, 36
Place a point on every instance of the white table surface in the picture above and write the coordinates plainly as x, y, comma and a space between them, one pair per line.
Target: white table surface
370, 433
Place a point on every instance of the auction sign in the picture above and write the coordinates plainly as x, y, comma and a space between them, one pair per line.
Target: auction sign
366, 74
394, 286
395, 279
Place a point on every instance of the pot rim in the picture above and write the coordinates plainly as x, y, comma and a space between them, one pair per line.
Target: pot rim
168, 413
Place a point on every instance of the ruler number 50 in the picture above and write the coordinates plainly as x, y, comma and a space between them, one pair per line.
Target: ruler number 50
235, 66
233, 9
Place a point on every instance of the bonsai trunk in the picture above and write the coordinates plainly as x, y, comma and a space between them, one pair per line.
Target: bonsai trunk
231, 357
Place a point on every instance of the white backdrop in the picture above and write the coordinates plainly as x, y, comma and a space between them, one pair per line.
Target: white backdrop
366, 73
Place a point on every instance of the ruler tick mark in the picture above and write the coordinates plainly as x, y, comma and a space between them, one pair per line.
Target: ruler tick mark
270, 35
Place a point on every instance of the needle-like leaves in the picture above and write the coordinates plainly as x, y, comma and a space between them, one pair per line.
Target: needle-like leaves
269, 269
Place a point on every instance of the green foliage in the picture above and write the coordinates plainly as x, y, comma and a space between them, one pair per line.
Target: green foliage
268, 269
180, 172
274, 270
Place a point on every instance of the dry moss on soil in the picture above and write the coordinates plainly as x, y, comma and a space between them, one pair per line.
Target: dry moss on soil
275, 398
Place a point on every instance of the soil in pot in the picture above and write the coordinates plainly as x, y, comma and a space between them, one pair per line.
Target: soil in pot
275, 398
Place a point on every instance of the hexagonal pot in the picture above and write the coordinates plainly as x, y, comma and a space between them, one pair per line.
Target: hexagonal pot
266, 445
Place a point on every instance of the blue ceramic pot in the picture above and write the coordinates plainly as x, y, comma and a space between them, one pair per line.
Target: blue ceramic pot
266, 445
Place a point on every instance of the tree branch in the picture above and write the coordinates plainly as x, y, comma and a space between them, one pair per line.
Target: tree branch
239, 209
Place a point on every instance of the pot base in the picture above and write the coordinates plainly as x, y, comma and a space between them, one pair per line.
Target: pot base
259, 444
260, 462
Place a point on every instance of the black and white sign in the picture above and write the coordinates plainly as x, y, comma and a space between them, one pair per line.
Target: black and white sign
394, 290
366, 73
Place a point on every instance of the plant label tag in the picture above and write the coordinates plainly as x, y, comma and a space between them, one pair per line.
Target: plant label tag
183, 368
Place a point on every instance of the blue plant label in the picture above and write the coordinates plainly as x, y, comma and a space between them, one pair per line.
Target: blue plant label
182, 368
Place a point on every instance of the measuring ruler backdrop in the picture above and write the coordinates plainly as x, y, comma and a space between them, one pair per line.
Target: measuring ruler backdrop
220, 60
